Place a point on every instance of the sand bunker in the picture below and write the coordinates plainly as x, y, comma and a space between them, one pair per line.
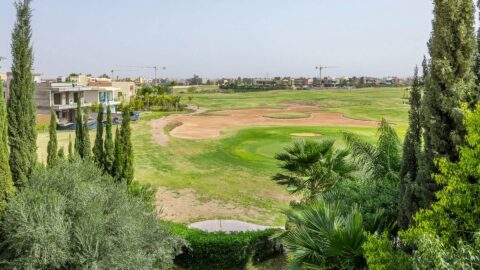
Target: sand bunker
305, 134
198, 126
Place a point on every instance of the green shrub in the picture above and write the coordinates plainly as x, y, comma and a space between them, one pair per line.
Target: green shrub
224, 250
381, 255
73, 217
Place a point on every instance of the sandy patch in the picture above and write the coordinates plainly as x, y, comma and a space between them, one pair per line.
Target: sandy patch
184, 206
305, 134
197, 126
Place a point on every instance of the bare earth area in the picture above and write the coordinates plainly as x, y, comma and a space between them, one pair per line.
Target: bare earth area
184, 206
201, 126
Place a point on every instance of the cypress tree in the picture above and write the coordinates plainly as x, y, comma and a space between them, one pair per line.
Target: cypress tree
87, 152
127, 148
7, 188
79, 143
71, 154
52, 151
109, 147
450, 79
61, 153
117, 167
22, 135
98, 152
408, 203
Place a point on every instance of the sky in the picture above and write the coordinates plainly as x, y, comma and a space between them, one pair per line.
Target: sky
225, 38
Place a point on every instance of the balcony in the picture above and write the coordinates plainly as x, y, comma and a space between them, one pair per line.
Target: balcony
69, 106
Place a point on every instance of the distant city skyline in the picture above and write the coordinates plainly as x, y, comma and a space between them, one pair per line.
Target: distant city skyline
218, 38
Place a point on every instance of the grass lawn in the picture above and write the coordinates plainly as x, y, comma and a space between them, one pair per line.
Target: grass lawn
367, 104
237, 167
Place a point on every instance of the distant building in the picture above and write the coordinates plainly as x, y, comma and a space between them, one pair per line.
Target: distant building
62, 98
303, 82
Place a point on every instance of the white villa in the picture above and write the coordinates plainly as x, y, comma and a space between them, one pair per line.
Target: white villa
62, 97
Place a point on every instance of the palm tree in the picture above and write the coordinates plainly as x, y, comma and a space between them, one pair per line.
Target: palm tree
381, 160
313, 167
320, 236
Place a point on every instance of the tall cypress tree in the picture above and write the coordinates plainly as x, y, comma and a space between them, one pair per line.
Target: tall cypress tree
71, 154
79, 143
109, 146
7, 188
22, 135
408, 202
450, 79
117, 167
87, 152
127, 148
98, 151
52, 148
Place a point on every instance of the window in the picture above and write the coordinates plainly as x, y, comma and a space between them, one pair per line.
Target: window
57, 99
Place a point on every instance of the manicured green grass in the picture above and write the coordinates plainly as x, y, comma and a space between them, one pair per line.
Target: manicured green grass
237, 167
368, 104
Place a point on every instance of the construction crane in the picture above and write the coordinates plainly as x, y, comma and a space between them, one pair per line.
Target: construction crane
320, 69
155, 68
113, 70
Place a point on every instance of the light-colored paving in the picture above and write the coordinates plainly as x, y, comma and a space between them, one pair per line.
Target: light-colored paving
228, 226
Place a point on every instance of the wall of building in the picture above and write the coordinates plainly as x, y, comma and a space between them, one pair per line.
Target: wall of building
128, 90
91, 96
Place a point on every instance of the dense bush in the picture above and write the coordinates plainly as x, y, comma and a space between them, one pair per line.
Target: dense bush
224, 250
381, 254
72, 217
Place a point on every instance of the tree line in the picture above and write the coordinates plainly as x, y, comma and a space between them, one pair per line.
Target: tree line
81, 211
415, 204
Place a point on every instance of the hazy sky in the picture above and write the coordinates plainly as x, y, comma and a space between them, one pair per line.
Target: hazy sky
216, 38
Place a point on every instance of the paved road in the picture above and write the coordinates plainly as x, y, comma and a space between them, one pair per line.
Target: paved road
228, 226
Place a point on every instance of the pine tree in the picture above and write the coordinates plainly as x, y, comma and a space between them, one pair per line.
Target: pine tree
127, 148
117, 167
109, 146
98, 152
450, 79
408, 202
52, 151
22, 135
7, 188
87, 152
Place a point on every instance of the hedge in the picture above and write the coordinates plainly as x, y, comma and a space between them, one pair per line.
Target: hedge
225, 250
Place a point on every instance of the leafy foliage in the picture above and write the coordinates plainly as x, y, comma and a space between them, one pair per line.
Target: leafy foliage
7, 188
109, 144
313, 167
52, 148
98, 151
73, 217
449, 81
22, 135
381, 254
380, 161
320, 236
409, 201
224, 250
456, 214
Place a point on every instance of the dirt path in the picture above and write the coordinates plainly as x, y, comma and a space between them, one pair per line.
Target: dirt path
208, 126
